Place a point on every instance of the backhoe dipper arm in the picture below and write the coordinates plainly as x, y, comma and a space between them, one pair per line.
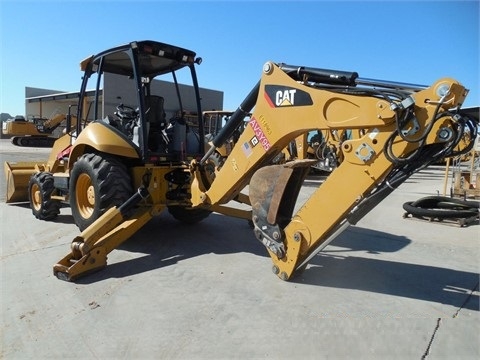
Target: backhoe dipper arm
402, 128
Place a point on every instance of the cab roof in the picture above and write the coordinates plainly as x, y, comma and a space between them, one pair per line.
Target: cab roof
154, 58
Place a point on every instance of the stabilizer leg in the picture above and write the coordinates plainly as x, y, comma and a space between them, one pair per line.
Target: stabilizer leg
89, 250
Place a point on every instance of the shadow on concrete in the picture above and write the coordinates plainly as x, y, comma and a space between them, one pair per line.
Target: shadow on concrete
421, 282
165, 241
64, 219
60, 219
337, 269
25, 205
357, 238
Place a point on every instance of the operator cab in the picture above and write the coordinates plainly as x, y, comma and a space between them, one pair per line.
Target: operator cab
148, 113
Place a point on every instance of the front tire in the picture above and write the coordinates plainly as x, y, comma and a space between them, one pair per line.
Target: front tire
97, 183
40, 188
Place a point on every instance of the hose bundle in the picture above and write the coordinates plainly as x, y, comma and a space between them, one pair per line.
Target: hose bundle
442, 208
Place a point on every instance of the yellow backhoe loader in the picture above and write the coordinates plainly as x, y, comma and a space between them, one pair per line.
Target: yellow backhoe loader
117, 173
37, 132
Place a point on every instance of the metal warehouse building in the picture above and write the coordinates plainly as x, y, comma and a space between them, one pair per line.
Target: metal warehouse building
43, 103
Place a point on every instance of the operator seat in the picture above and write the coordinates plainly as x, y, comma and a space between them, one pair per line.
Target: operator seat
156, 119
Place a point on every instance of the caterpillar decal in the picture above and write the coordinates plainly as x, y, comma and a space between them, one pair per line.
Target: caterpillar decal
279, 96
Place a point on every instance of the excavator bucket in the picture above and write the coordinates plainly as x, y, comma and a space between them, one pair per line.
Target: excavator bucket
17, 176
273, 192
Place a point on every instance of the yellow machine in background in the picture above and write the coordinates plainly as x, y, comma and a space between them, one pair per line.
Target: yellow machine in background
117, 173
37, 132
324, 146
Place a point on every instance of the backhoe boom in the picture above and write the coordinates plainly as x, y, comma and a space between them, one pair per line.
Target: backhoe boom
403, 128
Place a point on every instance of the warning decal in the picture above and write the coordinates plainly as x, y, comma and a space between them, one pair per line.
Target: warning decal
260, 135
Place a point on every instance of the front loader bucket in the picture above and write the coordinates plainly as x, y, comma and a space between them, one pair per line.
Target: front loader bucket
17, 176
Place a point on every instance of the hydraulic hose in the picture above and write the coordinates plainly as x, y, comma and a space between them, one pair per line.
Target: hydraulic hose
442, 207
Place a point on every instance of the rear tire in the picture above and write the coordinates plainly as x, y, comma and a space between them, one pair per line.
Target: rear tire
97, 183
187, 215
40, 188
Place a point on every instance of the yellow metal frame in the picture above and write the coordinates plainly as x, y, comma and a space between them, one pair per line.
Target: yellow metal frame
357, 175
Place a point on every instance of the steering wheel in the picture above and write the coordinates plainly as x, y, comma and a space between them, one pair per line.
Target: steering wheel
125, 112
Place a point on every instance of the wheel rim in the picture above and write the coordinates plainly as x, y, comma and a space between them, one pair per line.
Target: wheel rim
85, 195
36, 197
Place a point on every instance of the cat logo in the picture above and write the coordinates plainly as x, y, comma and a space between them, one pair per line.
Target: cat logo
280, 96
285, 98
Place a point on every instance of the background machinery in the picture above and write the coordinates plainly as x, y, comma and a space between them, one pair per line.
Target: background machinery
466, 167
118, 172
324, 146
35, 132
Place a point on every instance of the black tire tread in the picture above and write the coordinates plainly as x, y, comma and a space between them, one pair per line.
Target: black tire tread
112, 180
188, 215
49, 208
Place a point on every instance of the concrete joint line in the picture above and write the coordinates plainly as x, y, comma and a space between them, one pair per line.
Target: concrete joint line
439, 320
475, 288
427, 351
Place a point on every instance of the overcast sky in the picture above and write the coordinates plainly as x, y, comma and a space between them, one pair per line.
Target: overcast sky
43, 42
